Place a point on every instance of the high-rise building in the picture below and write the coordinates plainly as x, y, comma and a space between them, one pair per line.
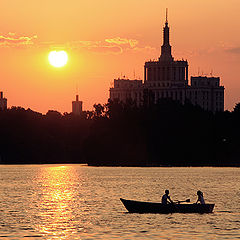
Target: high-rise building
127, 89
207, 93
168, 78
166, 72
3, 102
77, 106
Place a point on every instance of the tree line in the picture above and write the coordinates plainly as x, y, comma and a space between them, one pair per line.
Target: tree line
117, 134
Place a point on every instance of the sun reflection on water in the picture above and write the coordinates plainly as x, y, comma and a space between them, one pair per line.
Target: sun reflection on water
56, 203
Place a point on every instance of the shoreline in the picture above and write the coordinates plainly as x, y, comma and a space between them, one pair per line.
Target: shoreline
123, 166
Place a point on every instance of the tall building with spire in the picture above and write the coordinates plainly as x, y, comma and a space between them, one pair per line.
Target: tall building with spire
168, 78
166, 49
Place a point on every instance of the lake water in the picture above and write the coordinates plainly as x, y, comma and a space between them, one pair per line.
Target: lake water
80, 202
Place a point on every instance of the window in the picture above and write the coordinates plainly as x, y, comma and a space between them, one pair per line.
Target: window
168, 73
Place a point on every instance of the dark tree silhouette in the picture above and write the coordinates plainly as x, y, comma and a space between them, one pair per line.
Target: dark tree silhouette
117, 134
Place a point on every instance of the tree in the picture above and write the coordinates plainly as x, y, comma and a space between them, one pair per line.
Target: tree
98, 110
236, 109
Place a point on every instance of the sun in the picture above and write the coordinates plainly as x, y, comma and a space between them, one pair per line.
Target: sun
58, 58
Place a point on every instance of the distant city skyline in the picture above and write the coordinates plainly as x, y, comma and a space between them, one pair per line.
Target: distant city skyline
169, 79
106, 40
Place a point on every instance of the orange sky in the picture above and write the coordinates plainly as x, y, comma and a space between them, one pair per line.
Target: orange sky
106, 39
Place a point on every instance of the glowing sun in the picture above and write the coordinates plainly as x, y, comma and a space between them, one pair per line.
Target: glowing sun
58, 58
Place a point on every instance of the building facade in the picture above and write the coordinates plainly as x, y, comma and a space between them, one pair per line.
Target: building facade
207, 93
125, 89
77, 106
3, 102
168, 78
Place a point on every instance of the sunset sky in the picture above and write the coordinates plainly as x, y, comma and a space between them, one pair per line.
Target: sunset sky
106, 39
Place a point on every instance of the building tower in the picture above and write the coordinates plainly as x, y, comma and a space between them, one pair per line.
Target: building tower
3, 102
166, 78
77, 106
166, 49
166, 72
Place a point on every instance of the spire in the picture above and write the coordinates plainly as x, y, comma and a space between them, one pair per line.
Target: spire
166, 15
166, 49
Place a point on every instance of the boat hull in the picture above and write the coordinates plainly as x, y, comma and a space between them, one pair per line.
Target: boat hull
150, 207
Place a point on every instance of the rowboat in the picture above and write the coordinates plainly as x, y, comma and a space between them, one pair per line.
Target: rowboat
151, 207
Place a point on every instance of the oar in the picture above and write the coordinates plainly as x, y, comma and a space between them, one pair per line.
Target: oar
187, 200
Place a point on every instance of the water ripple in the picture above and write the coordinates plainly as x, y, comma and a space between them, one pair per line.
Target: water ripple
76, 202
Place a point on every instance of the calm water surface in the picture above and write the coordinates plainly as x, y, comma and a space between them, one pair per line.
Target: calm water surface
80, 202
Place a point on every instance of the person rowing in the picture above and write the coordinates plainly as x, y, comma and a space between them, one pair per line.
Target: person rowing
166, 198
200, 197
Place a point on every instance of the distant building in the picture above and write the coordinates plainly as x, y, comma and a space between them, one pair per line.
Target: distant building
125, 89
3, 102
207, 93
77, 106
167, 78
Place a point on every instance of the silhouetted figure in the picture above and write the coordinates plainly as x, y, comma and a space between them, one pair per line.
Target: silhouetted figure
200, 197
166, 198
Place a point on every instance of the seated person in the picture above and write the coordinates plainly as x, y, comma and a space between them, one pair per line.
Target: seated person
200, 197
166, 198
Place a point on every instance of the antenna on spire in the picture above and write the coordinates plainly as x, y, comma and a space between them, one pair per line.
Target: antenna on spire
77, 92
76, 88
166, 15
